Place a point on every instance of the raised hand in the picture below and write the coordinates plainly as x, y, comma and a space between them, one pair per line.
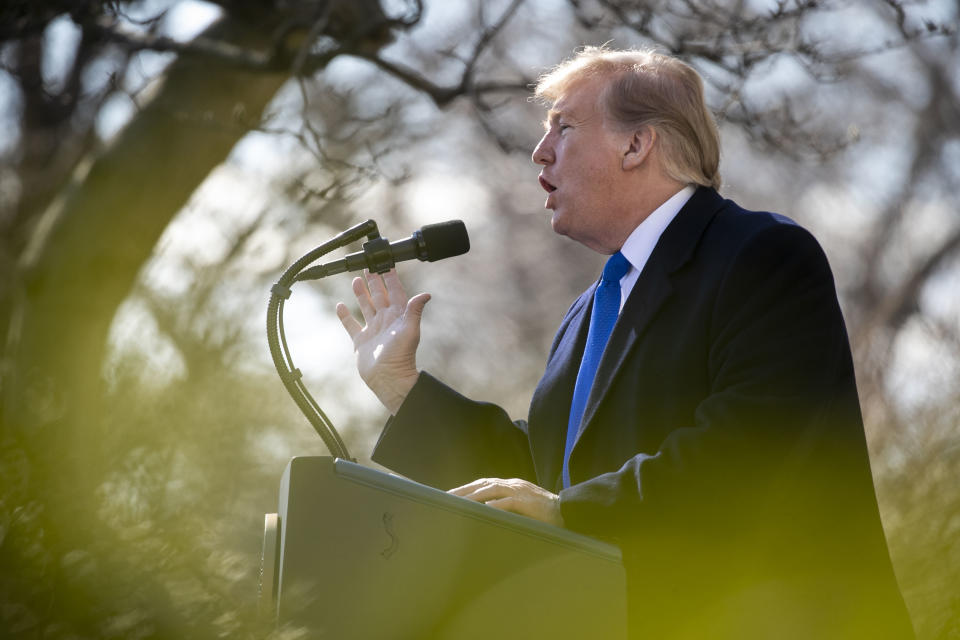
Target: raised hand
386, 345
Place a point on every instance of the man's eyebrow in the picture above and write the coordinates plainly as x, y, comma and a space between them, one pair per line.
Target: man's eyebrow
552, 116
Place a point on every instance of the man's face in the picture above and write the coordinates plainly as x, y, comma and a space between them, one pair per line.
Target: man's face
583, 172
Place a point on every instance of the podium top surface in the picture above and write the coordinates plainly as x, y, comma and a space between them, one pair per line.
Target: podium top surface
436, 498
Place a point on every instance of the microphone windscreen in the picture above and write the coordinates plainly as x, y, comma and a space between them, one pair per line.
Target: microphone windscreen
445, 240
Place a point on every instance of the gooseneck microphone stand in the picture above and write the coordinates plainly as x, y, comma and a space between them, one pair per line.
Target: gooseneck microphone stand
291, 376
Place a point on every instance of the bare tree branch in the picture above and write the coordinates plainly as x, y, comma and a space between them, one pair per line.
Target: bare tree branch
240, 56
901, 303
443, 95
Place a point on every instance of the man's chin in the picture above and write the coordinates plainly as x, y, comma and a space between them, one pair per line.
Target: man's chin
562, 228
556, 223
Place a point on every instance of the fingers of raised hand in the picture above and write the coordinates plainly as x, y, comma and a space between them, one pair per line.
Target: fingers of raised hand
348, 321
416, 304
395, 291
363, 299
378, 291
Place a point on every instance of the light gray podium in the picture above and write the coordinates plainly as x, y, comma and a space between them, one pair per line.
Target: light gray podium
358, 553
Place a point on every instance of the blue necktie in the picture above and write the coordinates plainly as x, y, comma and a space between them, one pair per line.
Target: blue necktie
606, 308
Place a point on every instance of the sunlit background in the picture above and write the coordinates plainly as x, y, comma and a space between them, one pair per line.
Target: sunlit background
162, 162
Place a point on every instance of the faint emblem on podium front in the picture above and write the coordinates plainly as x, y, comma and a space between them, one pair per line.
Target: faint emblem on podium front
394, 540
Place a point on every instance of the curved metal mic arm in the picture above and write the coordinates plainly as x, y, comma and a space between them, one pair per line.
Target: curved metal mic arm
291, 377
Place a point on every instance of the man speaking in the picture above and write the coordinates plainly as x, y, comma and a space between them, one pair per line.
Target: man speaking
698, 407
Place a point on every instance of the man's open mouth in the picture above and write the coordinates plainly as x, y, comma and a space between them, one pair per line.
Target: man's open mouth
546, 185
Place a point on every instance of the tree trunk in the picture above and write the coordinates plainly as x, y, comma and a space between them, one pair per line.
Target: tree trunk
79, 265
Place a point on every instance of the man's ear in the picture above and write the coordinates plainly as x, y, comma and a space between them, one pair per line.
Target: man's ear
639, 147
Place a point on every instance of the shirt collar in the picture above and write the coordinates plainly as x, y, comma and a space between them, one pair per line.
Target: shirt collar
640, 243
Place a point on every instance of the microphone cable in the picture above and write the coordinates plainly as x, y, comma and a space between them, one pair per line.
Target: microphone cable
292, 377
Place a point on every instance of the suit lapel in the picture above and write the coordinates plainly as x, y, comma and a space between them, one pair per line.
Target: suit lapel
551, 399
651, 291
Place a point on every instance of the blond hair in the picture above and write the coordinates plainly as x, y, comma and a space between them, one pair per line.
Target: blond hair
647, 88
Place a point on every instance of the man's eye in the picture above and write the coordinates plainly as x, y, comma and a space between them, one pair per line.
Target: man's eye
563, 127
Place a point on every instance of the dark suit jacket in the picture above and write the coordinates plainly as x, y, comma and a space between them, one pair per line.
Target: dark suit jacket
723, 447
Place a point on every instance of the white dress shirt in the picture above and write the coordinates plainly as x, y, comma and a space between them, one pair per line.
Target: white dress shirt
640, 243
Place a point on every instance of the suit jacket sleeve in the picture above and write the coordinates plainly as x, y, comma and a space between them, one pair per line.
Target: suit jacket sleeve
443, 439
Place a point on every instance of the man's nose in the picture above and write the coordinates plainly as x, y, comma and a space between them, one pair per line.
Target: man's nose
543, 152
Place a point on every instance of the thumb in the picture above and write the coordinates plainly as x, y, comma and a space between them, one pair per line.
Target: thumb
416, 304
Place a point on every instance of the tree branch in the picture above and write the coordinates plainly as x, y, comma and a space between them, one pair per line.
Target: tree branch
443, 95
242, 57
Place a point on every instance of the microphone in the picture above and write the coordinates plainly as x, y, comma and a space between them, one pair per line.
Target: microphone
430, 243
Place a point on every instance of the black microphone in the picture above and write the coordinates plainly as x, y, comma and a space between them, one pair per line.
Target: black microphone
431, 243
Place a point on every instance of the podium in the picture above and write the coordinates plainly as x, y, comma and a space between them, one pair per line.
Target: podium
357, 553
